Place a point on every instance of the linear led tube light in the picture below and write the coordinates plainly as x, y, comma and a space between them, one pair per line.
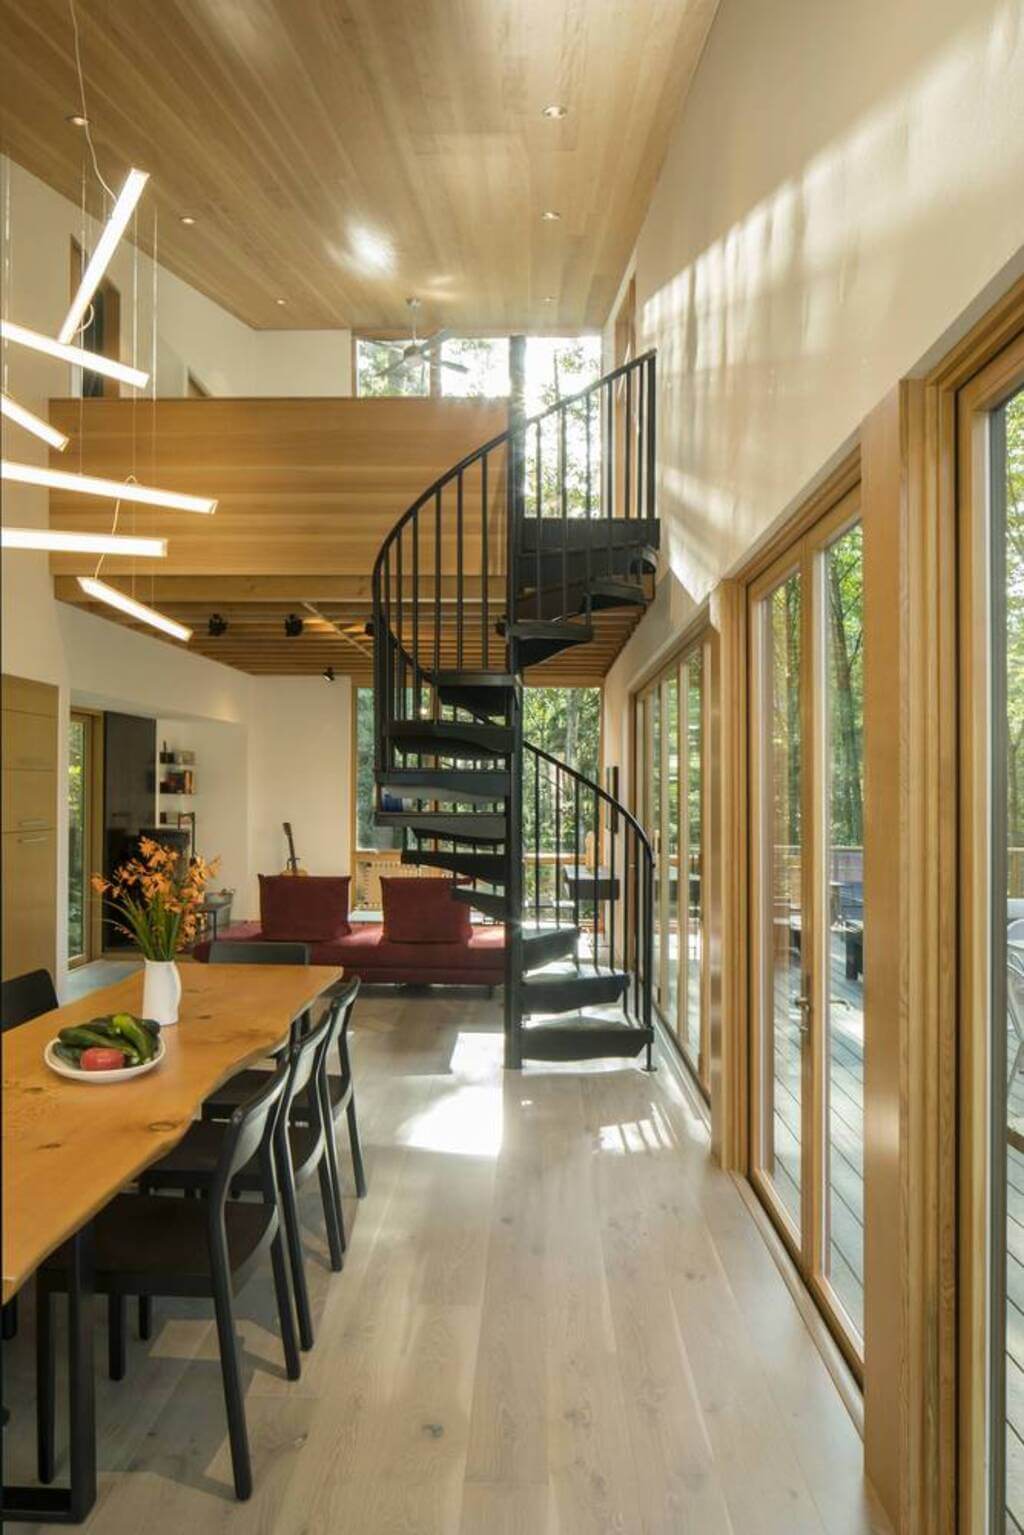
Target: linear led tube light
115, 227
58, 541
91, 485
76, 355
115, 599
32, 423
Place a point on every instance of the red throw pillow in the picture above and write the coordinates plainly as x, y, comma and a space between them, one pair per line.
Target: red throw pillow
310, 908
423, 911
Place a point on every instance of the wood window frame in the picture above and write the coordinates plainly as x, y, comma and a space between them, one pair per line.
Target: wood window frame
981, 1287
93, 721
808, 1246
700, 633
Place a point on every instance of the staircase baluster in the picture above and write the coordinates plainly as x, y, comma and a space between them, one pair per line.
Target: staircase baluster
576, 857
538, 497
640, 415
536, 839
628, 443
484, 561
558, 847
564, 494
437, 596
651, 424
612, 833
415, 600
590, 400
459, 593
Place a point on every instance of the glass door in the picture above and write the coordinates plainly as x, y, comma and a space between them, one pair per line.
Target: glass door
671, 781
807, 909
80, 823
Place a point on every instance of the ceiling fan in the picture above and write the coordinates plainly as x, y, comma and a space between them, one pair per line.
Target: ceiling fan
418, 351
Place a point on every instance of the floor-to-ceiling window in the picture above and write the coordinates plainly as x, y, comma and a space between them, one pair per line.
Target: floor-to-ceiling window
807, 907
671, 795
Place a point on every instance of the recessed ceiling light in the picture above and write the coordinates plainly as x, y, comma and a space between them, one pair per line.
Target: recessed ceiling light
550, 216
77, 120
556, 110
281, 302
186, 218
549, 298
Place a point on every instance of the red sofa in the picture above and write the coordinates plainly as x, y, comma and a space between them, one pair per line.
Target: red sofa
364, 952
468, 956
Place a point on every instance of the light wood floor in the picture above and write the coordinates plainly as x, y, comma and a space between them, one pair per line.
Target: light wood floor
557, 1316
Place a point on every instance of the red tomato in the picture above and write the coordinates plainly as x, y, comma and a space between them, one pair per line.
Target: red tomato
99, 1058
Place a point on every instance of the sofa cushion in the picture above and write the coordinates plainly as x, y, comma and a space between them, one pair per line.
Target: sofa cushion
423, 911
311, 908
367, 947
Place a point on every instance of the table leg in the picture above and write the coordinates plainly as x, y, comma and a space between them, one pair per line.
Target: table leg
71, 1504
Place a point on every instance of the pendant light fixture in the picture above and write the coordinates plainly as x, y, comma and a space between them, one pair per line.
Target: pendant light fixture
32, 423
108, 241
76, 355
125, 604
93, 485
58, 541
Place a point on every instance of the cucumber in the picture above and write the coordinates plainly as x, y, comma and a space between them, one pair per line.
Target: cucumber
70, 1056
85, 1035
129, 1033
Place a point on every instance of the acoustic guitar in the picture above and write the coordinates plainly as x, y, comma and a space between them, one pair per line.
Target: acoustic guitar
293, 863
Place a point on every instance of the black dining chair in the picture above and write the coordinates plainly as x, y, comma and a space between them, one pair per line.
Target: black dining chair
300, 1152
148, 1244
23, 998
229, 951
340, 1086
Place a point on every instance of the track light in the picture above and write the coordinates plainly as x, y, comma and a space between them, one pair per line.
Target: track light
328, 674
58, 541
76, 355
106, 245
91, 485
216, 625
32, 423
120, 600
293, 626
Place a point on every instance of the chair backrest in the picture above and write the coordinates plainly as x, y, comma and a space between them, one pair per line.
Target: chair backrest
25, 997
342, 1002
308, 1056
229, 951
250, 1131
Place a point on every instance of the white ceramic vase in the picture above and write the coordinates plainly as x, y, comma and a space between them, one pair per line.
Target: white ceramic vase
161, 991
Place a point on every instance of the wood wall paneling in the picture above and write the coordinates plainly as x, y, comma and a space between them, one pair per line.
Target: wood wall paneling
30, 762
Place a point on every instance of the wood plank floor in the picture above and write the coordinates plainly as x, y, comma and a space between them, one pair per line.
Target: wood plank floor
557, 1317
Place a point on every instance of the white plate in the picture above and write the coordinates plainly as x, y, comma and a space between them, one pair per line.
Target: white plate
97, 1078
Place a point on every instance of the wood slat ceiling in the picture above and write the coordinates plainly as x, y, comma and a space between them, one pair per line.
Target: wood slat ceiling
343, 155
307, 492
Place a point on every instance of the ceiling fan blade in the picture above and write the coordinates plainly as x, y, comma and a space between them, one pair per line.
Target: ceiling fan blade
456, 367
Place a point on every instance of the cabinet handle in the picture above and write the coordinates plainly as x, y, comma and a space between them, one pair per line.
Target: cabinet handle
38, 820
33, 839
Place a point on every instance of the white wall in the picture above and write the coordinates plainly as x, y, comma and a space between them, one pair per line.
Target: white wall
301, 763
843, 182
102, 665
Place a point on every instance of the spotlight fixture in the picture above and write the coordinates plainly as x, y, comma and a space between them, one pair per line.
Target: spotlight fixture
186, 218
555, 111
293, 626
328, 674
216, 625
77, 120
550, 216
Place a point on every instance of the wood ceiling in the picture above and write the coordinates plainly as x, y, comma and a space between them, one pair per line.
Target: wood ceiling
343, 154
307, 491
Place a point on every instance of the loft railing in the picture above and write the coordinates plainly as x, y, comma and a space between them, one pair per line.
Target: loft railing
451, 570
588, 864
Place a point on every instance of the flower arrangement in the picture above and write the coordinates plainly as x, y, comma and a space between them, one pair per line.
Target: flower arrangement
158, 896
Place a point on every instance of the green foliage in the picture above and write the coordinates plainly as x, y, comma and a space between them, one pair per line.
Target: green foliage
368, 836
567, 723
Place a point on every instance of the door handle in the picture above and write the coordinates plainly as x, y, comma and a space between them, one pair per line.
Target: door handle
805, 1006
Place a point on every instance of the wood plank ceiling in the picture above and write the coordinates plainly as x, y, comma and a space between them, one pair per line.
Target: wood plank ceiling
343, 155
307, 491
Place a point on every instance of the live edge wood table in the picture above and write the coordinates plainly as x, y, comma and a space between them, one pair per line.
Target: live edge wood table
68, 1149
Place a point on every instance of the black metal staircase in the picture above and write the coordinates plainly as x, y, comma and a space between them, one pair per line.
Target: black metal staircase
497, 568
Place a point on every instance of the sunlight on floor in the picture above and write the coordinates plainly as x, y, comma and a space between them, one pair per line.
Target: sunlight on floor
468, 1119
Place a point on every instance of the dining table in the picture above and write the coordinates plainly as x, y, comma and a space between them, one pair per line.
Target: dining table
69, 1147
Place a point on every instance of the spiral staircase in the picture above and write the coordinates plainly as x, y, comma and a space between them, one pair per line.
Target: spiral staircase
498, 567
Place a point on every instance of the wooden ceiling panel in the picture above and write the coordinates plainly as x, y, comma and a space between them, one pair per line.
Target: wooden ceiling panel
345, 155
